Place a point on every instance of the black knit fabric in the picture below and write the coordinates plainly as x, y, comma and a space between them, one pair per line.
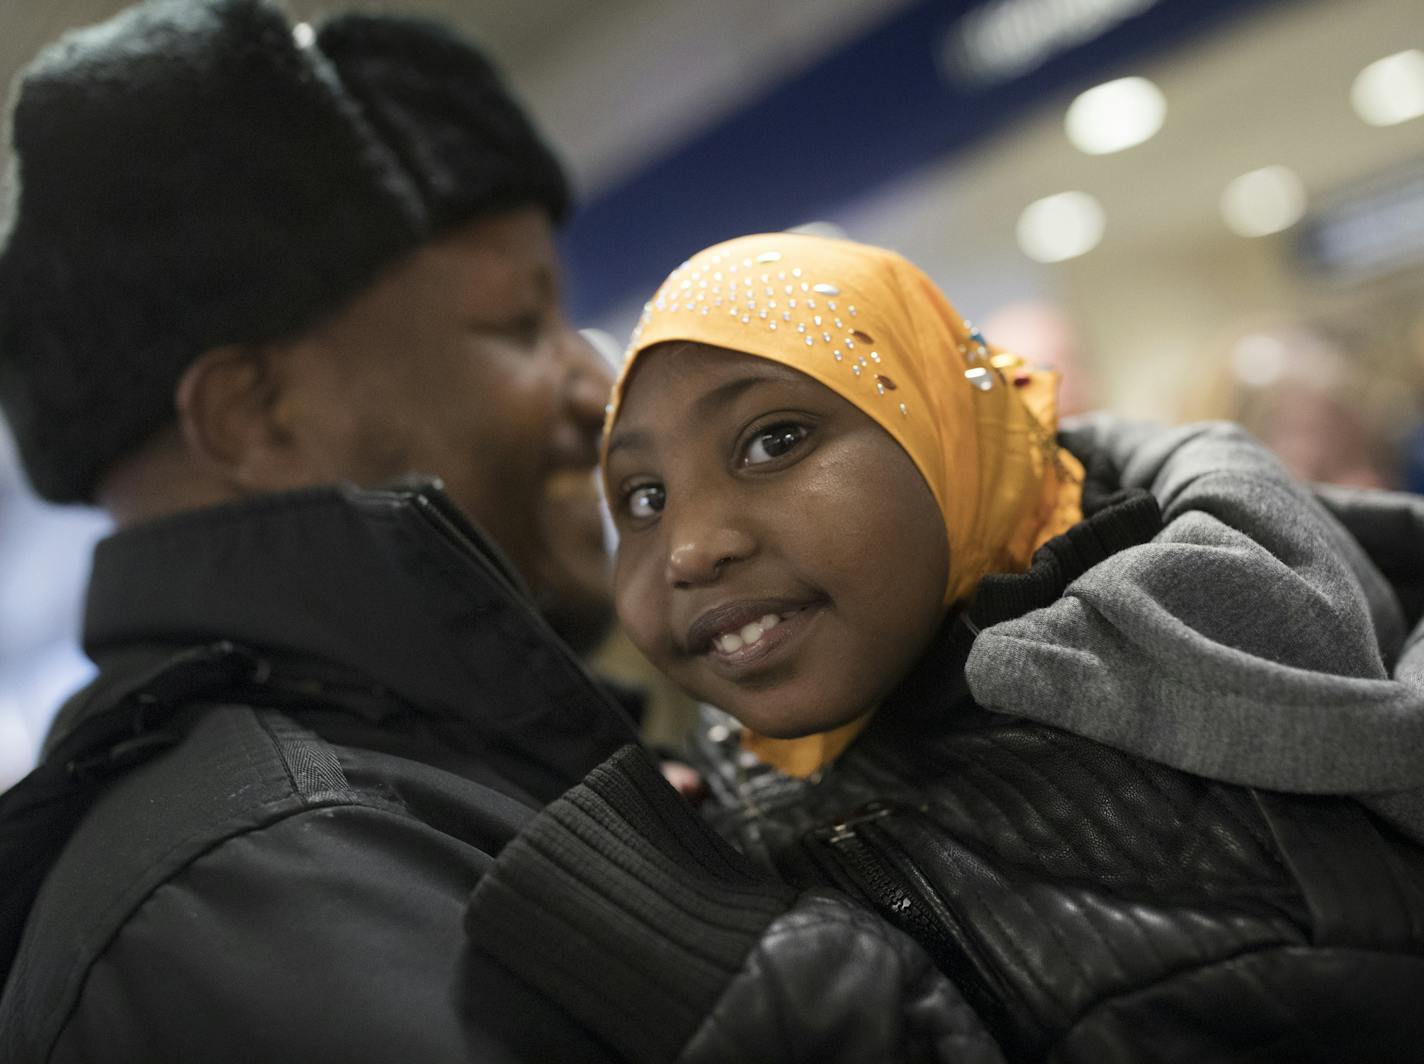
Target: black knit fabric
189, 176
621, 903
1127, 519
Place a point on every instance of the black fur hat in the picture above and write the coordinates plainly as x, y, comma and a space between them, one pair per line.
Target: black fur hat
192, 174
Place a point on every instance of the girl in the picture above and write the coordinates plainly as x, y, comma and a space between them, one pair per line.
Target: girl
1033, 699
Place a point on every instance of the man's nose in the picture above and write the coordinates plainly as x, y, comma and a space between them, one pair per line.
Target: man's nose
589, 379
585, 381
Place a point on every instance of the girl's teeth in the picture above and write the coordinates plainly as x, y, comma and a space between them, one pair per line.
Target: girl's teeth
749, 634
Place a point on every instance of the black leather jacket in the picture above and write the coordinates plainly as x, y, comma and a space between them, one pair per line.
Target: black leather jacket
1095, 907
1090, 906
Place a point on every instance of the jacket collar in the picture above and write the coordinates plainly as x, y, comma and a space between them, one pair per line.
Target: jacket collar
391, 589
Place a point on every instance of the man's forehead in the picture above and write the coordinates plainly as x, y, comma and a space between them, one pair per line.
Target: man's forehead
511, 252
523, 234
479, 265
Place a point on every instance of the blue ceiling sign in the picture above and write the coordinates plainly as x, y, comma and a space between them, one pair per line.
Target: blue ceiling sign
929, 81
1369, 229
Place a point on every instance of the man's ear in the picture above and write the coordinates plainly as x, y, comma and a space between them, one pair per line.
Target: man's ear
231, 416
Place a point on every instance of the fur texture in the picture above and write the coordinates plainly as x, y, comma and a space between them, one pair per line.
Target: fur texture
189, 176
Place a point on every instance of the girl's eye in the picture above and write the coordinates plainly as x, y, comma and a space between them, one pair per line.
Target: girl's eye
772, 443
647, 501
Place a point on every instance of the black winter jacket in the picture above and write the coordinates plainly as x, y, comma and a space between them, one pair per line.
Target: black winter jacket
277, 863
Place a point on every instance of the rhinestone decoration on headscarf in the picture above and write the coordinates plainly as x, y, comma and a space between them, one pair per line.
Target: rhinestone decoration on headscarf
865, 322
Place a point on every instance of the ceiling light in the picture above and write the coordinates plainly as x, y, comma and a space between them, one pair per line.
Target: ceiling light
1263, 201
1060, 227
1259, 360
1115, 115
1390, 90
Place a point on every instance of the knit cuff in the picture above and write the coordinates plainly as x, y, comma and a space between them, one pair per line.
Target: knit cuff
620, 905
1132, 519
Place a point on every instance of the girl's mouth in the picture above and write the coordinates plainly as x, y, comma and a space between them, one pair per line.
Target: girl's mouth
746, 636
734, 649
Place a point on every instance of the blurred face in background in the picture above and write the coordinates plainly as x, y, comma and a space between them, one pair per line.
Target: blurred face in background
459, 363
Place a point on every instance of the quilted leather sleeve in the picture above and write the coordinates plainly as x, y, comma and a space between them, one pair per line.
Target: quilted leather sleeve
829, 982
623, 908
1291, 1005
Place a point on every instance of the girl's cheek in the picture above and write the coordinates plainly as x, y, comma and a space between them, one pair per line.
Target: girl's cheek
644, 636
640, 612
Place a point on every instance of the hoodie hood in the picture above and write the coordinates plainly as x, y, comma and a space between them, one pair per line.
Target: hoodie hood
1255, 640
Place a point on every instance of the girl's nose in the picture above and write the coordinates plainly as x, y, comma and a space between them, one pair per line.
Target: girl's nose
698, 558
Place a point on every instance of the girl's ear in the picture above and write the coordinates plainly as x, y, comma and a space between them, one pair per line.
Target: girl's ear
232, 417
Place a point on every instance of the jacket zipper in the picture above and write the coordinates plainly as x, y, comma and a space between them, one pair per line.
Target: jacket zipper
877, 866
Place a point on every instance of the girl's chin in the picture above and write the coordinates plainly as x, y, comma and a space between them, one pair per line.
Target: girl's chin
793, 725
789, 709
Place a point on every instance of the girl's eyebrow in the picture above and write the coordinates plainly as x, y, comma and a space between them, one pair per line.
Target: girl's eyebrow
766, 372
636, 439
725, 394
722, 395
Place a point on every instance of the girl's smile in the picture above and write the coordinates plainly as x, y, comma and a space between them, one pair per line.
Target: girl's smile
780, 555
739, 651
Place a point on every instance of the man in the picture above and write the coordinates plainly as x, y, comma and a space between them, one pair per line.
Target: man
250, 268
245, 259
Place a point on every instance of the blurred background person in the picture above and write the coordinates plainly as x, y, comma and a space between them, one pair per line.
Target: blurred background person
1044, 334
44, 551
1305, 396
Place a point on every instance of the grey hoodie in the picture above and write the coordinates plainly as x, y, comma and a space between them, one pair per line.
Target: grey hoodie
1253, 641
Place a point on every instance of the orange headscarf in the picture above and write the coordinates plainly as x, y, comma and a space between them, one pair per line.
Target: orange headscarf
977, 422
